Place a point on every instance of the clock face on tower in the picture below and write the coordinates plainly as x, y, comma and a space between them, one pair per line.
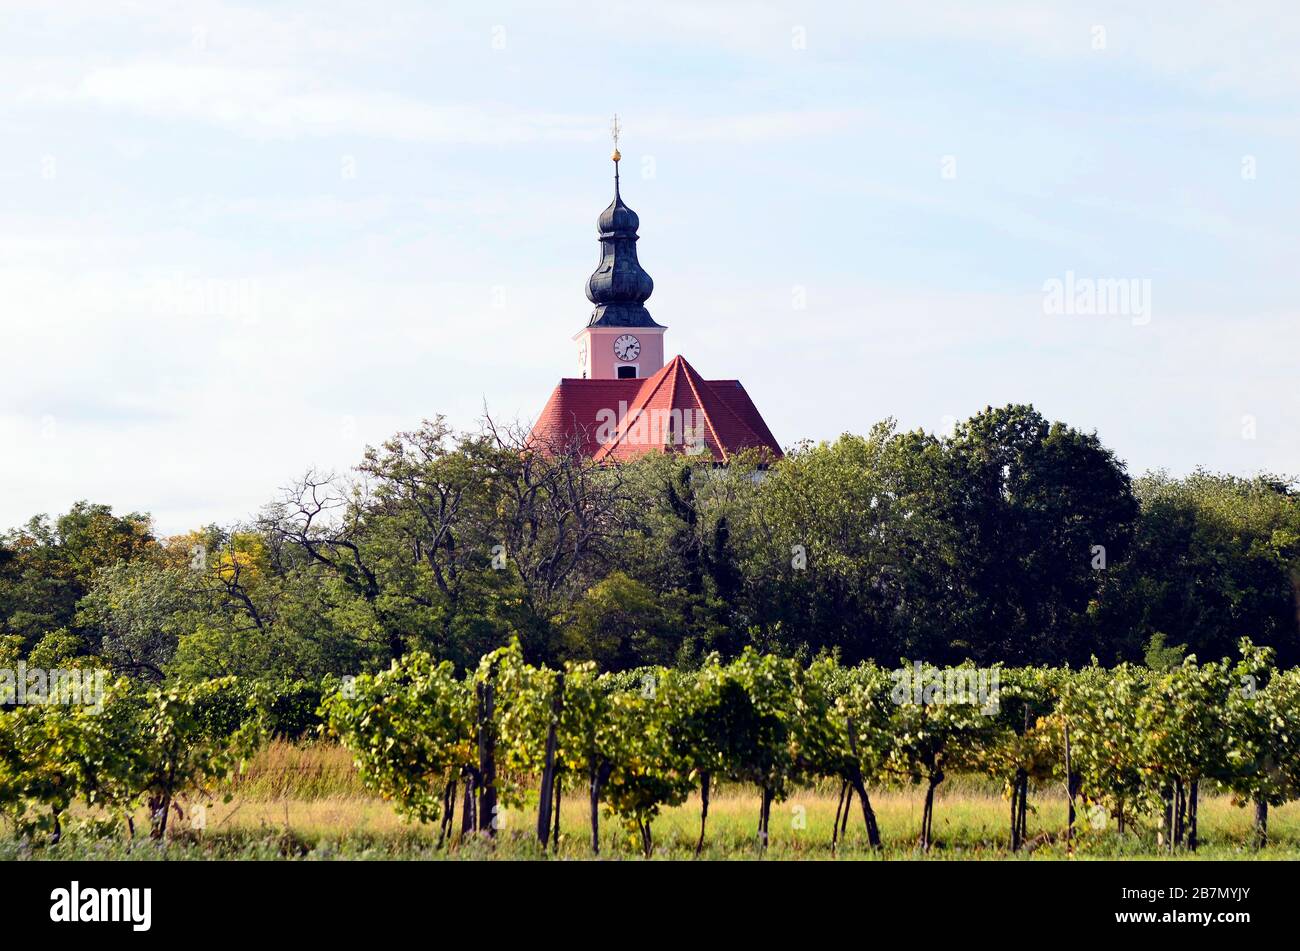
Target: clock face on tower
627, 347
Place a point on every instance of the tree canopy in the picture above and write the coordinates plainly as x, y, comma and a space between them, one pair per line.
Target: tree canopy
1014, 539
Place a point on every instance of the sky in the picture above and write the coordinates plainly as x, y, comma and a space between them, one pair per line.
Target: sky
238, 241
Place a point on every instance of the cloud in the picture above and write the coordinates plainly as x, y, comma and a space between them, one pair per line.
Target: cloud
272, 103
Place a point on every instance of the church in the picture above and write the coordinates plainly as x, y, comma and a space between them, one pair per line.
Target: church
627, 401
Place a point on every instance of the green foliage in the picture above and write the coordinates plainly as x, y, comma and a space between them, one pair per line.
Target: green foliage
289, 709
48, 565
138, 746
137, 608
643, 739
60, 649
1215, 559
46, 759
620, 623
645, 771
1160, 656
842, 546
1013, 540
409, 728
1035, 504
1262, 729
1022, 741
1107, 744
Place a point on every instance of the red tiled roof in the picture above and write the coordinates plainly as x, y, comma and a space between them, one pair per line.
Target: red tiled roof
673, 411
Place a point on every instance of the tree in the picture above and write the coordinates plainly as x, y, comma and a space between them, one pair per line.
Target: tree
167, 743
845, 734
645, 771
698, 744
326, 521
528, 727
1040, 508
431, 494
138, 609
757, 717
48, 566
589, 735
842, 547
620, 623
1215, 558
44, 761
676, 537
552, 516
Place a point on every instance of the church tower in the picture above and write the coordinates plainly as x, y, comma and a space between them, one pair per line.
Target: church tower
626, 401
621, 340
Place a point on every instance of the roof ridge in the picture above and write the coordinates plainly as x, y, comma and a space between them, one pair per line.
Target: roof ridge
704, 410
693, 375
672, 386
642, 397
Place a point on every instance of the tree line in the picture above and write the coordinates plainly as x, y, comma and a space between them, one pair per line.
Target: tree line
1013, 540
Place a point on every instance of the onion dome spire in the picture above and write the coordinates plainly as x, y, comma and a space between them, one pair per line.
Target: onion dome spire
620, 286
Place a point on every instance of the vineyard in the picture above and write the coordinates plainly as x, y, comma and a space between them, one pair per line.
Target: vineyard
1129, 751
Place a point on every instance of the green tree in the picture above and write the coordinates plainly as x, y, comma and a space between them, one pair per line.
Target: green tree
845, 735
45, 759
1215, 558
620, 623
1023, 748
758, 718
1039, 508
162, 745
646, 771
843, 547
48, 566
138, 610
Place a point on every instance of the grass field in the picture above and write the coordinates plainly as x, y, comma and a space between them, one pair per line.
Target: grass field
308, 803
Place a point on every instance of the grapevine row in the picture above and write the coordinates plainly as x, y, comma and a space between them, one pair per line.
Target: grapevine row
1129, 744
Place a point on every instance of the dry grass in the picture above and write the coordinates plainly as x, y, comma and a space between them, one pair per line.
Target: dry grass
311, 798
307, 802
287, 771
967, 825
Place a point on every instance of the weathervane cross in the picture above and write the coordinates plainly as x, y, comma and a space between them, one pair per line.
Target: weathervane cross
614, 130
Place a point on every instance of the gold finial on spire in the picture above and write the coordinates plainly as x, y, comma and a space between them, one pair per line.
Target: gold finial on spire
614, 130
